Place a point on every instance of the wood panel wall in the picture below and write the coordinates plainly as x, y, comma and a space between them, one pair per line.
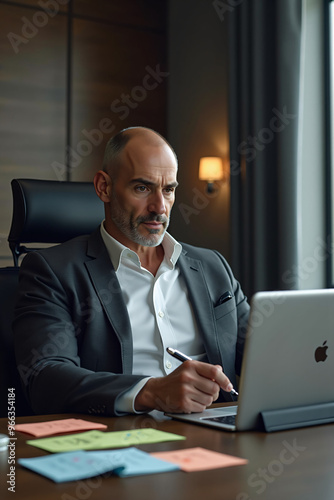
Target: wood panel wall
70, 77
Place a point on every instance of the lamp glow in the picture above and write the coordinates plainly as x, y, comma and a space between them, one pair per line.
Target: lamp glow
211, 170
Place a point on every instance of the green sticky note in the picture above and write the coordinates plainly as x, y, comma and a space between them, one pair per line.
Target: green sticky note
98, 440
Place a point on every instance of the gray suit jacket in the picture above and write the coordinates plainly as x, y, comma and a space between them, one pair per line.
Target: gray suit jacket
72, 332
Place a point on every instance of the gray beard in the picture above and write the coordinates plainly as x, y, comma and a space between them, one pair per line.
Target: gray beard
129, 227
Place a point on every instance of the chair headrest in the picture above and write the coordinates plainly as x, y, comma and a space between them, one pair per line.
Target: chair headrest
52, 211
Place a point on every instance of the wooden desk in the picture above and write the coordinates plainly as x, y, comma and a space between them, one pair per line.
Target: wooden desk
293, 465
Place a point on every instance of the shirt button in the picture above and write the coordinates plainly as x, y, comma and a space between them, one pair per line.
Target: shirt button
168, 365
161, 314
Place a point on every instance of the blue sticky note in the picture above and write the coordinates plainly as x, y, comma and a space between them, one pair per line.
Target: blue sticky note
76, 465
69, 466
133, 462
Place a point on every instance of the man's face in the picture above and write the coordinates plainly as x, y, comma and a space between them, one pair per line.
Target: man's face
143, 194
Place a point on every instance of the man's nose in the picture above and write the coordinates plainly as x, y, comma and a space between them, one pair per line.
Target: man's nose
157, 203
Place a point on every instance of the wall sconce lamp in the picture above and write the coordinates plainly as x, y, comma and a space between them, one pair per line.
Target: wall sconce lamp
211, 170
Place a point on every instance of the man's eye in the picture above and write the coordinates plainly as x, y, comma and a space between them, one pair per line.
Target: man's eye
141, 189
169, 190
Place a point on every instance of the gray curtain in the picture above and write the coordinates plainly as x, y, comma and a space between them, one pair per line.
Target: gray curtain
265, 57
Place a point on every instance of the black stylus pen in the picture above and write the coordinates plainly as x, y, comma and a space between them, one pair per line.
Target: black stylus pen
183, 357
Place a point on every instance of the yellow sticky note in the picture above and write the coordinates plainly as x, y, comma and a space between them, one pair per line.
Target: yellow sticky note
196, 459
97, 440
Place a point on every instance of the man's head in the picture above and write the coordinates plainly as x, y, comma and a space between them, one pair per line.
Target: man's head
137, 185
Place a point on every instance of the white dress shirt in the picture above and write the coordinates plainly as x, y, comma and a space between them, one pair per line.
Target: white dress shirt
159, 311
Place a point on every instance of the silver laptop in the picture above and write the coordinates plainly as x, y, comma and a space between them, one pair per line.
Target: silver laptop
288, 365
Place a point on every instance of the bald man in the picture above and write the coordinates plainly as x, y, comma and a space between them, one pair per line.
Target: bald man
95, 315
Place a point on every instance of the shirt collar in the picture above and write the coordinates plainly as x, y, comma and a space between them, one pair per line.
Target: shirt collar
116, 250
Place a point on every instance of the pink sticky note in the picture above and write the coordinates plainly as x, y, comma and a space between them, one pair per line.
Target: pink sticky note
61, 426
195, 459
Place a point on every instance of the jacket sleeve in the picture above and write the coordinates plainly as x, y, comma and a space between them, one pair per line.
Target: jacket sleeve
48, 338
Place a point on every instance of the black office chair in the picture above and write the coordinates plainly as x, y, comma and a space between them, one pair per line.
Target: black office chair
51, 212
43, 212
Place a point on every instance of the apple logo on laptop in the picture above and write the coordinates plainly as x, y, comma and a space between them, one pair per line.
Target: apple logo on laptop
320, 352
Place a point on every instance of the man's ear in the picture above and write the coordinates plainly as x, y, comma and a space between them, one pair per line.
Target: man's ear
102, 183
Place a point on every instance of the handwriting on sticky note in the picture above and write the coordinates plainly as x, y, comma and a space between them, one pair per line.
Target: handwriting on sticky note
195, 459
97, 440
61, 426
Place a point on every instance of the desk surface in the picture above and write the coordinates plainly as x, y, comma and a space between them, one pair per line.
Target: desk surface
296, 464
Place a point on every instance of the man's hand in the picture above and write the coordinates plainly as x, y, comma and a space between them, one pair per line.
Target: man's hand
190, 388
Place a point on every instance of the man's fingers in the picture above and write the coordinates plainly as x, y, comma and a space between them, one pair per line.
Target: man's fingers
215, 373
190, 388
216, 396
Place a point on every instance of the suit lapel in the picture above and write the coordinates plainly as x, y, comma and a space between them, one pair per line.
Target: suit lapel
192, 272
107, 287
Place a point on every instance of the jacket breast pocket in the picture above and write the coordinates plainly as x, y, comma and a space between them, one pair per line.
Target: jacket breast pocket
223, 309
